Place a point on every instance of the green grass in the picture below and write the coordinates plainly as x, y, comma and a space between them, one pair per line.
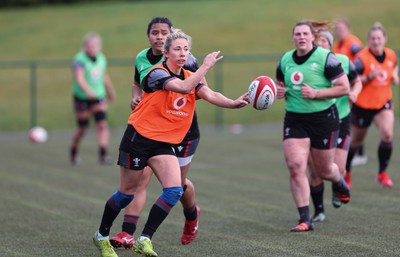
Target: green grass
234, 27
49, 208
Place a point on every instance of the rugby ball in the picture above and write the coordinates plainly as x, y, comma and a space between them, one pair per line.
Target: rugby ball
38, 135
262, 92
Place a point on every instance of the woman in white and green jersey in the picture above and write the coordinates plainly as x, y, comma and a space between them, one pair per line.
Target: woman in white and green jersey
91, 88
325, 40
310, 78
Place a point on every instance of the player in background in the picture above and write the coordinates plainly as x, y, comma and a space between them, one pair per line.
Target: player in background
309, 78
378, 68
348, 44
157, 31
161, 120
325, 40
91, 86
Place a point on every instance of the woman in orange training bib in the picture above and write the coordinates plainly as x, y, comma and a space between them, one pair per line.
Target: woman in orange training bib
346, 43
160, 120
378, 69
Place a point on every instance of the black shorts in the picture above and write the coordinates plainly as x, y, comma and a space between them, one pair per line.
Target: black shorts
343, 141
186, 148
362, 118
194, 131
321, 127
85, 105
135, 149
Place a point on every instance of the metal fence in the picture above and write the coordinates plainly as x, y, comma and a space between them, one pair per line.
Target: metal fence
35, 65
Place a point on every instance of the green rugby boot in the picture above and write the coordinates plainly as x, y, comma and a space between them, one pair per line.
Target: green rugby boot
144, 247
104, 247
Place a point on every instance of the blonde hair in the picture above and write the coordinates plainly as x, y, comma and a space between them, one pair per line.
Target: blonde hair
89, 37
176, 34
323, 25
377, 26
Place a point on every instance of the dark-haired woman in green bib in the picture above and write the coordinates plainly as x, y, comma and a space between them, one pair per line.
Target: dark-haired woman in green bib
310, 78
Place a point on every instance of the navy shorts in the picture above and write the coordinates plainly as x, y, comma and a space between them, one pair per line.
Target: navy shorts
321, 127
186, 147
86, 105
343, 141
362, 118
185, 151
135, 149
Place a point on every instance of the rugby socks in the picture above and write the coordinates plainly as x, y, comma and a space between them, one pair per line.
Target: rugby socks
384, 153
102, 152
157, 215
360, 150
130, 223
109, 215
304, 213
73, 155
350, 156
73, 151
317, 196
191, 213
341, 184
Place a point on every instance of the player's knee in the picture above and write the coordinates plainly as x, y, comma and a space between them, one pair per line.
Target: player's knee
83, 123
121, 200
99, 116
171, 195
387, 137
294, 167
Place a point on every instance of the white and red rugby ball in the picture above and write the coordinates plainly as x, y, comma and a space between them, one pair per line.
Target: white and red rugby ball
262, 92
38, 135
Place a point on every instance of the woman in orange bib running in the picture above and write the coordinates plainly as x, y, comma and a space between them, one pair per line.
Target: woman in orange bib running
378, 69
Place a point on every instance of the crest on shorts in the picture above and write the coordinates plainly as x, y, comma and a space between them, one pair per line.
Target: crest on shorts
136, 161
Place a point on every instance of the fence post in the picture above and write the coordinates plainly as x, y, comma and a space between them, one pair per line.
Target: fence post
33, 94
219, 117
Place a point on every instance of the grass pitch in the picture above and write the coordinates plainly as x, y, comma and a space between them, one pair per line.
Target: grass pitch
49, 208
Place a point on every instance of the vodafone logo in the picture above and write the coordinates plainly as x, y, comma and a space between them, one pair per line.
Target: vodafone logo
95, 73
382, 75
297, 78
180, 102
